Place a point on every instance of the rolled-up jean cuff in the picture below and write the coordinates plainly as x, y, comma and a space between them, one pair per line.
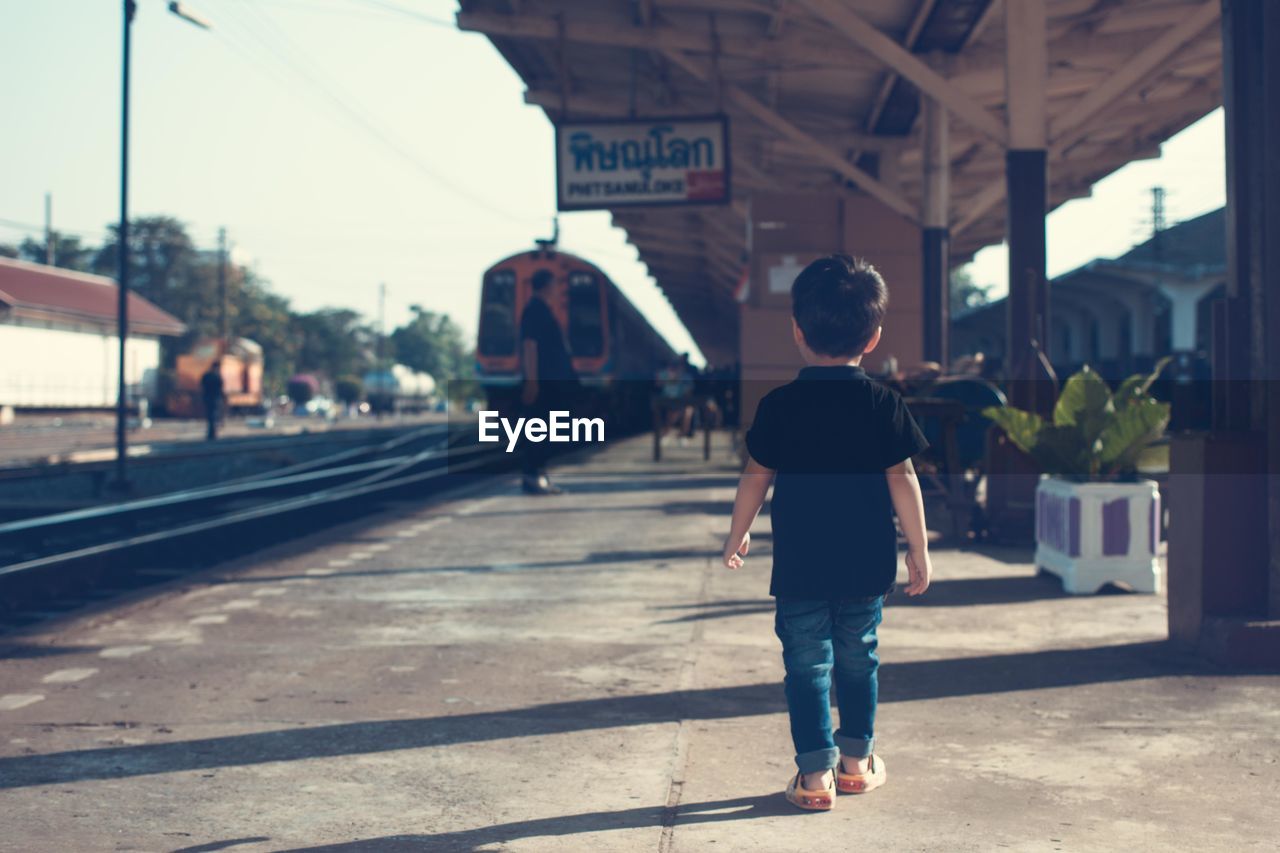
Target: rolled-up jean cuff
818, 760
854, 747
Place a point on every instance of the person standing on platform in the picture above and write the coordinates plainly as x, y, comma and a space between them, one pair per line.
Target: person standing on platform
837, 448
212, 392
550, 381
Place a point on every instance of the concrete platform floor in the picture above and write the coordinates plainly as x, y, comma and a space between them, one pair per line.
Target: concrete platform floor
496, 672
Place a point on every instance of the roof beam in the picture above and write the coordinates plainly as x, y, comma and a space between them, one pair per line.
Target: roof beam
778, 19
798, 49
831, 158
905, 63
886, 85
1065, 128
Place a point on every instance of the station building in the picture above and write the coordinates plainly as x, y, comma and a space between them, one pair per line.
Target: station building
1121, 315
58, 343
917, 132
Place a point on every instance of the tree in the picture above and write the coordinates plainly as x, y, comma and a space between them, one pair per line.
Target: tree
965, 293
434, 344
8, 251
161, 255
68, 252
267, 318
334, 342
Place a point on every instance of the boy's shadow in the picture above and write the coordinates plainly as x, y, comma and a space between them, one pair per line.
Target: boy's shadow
480, 838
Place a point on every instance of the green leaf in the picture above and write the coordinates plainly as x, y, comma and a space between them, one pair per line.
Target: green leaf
1060, 451
1138, 385
1022, 427
1130, 431
1085, 403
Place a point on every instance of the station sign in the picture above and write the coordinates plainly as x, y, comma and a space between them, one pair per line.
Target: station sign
642, 162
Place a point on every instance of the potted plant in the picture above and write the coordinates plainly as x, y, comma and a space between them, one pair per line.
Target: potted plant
1096, 520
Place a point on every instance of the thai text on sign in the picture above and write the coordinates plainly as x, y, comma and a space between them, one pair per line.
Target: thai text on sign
604, 164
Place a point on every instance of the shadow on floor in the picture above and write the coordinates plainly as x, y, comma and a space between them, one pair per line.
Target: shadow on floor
721, 508
661, 557
653, 817
646, 483
1010, 589
718, 611
18, 651
899, 682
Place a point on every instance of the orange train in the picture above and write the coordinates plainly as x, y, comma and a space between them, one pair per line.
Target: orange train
615, 351
241, 362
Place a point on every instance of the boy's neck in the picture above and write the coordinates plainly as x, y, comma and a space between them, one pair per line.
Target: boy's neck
815, 360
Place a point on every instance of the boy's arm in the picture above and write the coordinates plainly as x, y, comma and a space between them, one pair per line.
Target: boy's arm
904, 489
752, 487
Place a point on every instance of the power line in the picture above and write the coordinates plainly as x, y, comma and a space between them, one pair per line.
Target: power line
409, 13
297, 63
32, 228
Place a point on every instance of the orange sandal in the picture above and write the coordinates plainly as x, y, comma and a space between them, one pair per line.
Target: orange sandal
860, 783
818, 800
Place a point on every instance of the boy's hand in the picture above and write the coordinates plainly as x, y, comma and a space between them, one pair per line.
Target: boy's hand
735, 551
919, 572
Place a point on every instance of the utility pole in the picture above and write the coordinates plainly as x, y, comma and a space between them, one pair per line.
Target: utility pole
1157, 217
130, 8
49, 251
122, 259
382, 325
223, 330
1157, 210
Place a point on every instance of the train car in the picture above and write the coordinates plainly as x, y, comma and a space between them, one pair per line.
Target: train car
615, 351
241, 361
399, 390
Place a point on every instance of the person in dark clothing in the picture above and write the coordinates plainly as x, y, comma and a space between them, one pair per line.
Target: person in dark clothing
836, 446
550, 381
211, 390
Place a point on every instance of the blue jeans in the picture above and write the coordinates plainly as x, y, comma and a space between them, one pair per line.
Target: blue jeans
818, 637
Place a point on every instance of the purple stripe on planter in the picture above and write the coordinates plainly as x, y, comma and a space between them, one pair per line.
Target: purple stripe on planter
1115, 528
1073, 509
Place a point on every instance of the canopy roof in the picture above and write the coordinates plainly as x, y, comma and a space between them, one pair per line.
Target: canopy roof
825, 95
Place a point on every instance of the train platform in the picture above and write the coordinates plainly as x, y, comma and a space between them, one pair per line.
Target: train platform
499, 672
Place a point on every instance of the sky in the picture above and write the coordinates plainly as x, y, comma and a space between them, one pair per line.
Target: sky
348, 143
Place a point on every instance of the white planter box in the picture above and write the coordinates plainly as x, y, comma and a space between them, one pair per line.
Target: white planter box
1090, 534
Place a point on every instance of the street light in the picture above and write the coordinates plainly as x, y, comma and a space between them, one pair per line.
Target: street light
187, 15
122, 238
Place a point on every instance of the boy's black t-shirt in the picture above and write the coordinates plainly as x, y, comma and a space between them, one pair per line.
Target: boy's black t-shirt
830, 434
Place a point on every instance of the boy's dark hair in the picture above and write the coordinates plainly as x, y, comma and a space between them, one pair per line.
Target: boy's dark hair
541, 279
839, 302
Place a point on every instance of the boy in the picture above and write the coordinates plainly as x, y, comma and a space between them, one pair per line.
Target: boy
840, 446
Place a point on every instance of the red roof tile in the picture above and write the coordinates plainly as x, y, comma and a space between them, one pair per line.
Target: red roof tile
35, 290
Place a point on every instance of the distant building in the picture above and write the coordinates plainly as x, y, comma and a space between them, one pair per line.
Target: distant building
58, 343
1120, 315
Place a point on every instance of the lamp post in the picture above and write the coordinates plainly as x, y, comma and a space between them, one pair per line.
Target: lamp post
130, 8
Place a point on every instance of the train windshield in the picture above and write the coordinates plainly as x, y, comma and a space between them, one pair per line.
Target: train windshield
498, 314
586, 319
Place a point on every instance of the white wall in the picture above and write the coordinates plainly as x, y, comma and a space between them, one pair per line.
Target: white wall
65, 366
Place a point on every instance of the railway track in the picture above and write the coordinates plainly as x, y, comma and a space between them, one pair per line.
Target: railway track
57, 485
54, 564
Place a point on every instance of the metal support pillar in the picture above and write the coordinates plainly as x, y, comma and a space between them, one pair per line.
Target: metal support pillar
1224, 552
936, 235
1026, 179
1270, 279
1251, 349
